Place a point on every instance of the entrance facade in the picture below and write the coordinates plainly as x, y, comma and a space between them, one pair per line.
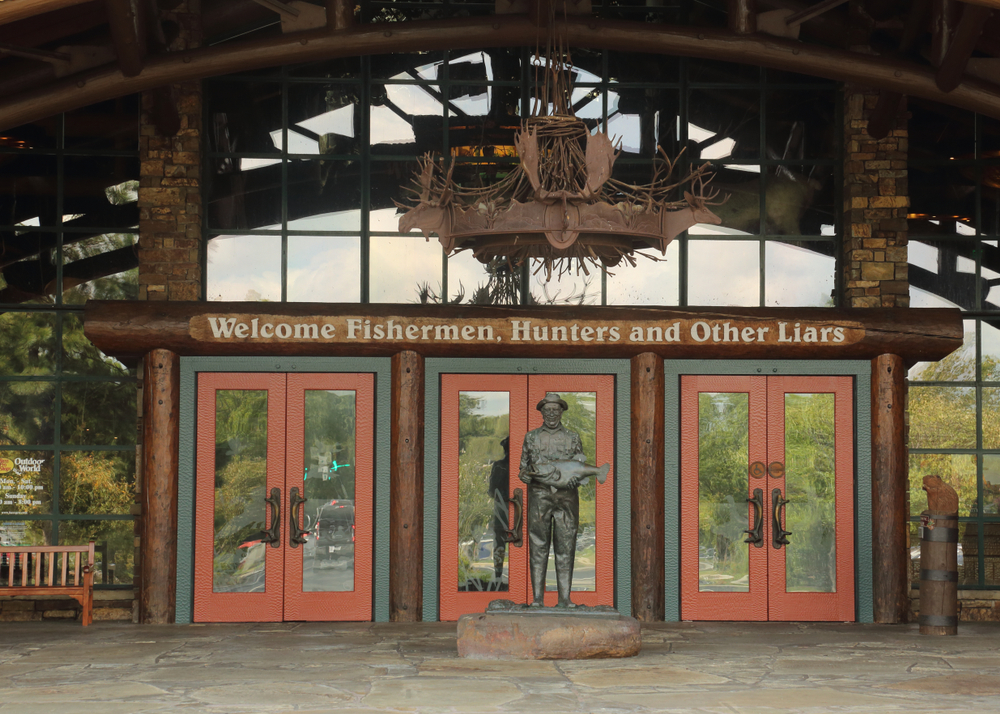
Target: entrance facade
284, 492
767, 498
484, 545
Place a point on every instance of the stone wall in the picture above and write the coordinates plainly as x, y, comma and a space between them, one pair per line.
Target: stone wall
875, 208
108, 605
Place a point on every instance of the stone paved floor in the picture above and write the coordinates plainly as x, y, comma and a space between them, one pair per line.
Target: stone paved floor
108, 668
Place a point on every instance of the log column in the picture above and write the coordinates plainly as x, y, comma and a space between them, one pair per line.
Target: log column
648, 601
158, 549
889, 486
406, 490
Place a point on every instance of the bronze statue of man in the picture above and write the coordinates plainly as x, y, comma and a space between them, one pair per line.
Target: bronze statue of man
553, 502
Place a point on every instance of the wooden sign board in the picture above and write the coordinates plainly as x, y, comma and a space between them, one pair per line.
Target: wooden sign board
129, 330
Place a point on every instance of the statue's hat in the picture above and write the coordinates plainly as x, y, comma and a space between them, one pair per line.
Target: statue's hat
552, 398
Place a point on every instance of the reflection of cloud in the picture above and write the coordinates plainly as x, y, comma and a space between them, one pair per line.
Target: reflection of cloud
649, 283
324, 269
798, 277
400, 264
723, 273
238, 264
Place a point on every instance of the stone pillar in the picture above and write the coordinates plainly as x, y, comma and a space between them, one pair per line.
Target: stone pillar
876, 202
170, 216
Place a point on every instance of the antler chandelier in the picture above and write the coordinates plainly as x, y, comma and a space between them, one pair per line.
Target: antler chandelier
559, 204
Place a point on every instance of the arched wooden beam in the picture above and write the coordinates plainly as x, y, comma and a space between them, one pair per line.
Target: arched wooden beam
14, 10
499, 31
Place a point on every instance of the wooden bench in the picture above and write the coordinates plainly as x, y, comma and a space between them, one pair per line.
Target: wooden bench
46, 570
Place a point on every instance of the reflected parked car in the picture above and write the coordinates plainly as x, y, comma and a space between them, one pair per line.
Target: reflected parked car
334, 530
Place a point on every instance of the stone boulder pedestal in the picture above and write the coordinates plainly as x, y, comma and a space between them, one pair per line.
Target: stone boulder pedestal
548, 633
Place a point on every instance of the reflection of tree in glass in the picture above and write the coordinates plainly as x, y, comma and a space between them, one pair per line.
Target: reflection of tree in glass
503, 287
479, 438
330, 424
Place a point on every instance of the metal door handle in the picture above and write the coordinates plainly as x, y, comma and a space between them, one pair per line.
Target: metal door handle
271, 535
756, 533
779, 536
296, 535
513, 536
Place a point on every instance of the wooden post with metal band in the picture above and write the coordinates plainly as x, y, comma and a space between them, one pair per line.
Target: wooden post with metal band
939, 560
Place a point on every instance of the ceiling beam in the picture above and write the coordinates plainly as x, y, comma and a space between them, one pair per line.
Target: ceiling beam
742, 16
14, 10
963, 42
896, 75
128, 33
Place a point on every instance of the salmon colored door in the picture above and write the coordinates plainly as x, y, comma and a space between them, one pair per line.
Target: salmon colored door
483, 422
767, 498
284, 494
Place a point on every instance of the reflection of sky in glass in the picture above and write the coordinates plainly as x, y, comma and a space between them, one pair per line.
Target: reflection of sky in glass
389, 128
387, 219
923, 256
991, 342
297, 143
337, 221
797, 277
922, 298
568, 288
336, 121
625, 131
465, 274
244, 268
723, 273
400, 265
491, 404
412, 99
324, 269
649, 283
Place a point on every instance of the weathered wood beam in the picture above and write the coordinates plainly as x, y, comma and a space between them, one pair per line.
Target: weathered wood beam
339, 14
406, 489
943, 14
814, 11
648, 586
128, 33
128, 330
995, 4
34, 54
158, 545
14, 10
889, 487
742, 16
970, 27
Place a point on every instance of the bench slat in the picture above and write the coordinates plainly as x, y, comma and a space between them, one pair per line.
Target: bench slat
65, 562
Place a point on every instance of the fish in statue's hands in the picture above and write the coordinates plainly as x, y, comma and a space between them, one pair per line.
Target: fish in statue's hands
568, 474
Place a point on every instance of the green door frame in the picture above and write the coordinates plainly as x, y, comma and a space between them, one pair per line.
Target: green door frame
861, 371
434, 368
190, 367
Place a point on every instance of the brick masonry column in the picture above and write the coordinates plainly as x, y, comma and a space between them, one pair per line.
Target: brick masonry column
876, 202
170, 216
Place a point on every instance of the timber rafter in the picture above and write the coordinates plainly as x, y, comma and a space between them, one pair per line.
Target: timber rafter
897, 75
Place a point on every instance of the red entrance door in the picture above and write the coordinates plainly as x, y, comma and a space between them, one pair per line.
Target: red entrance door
767, 502
483, 422
283, 524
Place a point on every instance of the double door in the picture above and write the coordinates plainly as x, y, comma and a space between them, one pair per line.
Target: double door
484, 539
767, 498
284, 493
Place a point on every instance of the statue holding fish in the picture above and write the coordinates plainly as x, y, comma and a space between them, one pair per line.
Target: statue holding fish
553, 466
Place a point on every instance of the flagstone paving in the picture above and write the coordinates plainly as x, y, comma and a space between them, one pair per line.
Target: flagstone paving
736, 668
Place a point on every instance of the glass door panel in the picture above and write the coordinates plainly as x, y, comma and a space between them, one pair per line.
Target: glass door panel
330, 478
239, 568
767, 502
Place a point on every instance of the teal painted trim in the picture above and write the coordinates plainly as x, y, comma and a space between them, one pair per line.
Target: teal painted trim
190, 367
861, 371
672, 496
434, 368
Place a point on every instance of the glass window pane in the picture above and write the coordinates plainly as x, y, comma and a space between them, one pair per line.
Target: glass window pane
328, 487
960, 365
573, 287
25, 533
991, 417
649, 282
957, 470
102, 268
738, 202
979, 553
245, 194
96, 482
581, 417
968, 553
324, 195
324, 269
483, 489
240, 489
942, 417
27, 412
470, 281
724, 272
99, 413
403, 267
111, 125
29, 340
25, 482
244, 268
810, 488
114, 549
732, 116
800, 275
36, 204
80, 356
723, 467
245, 116
800, 123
